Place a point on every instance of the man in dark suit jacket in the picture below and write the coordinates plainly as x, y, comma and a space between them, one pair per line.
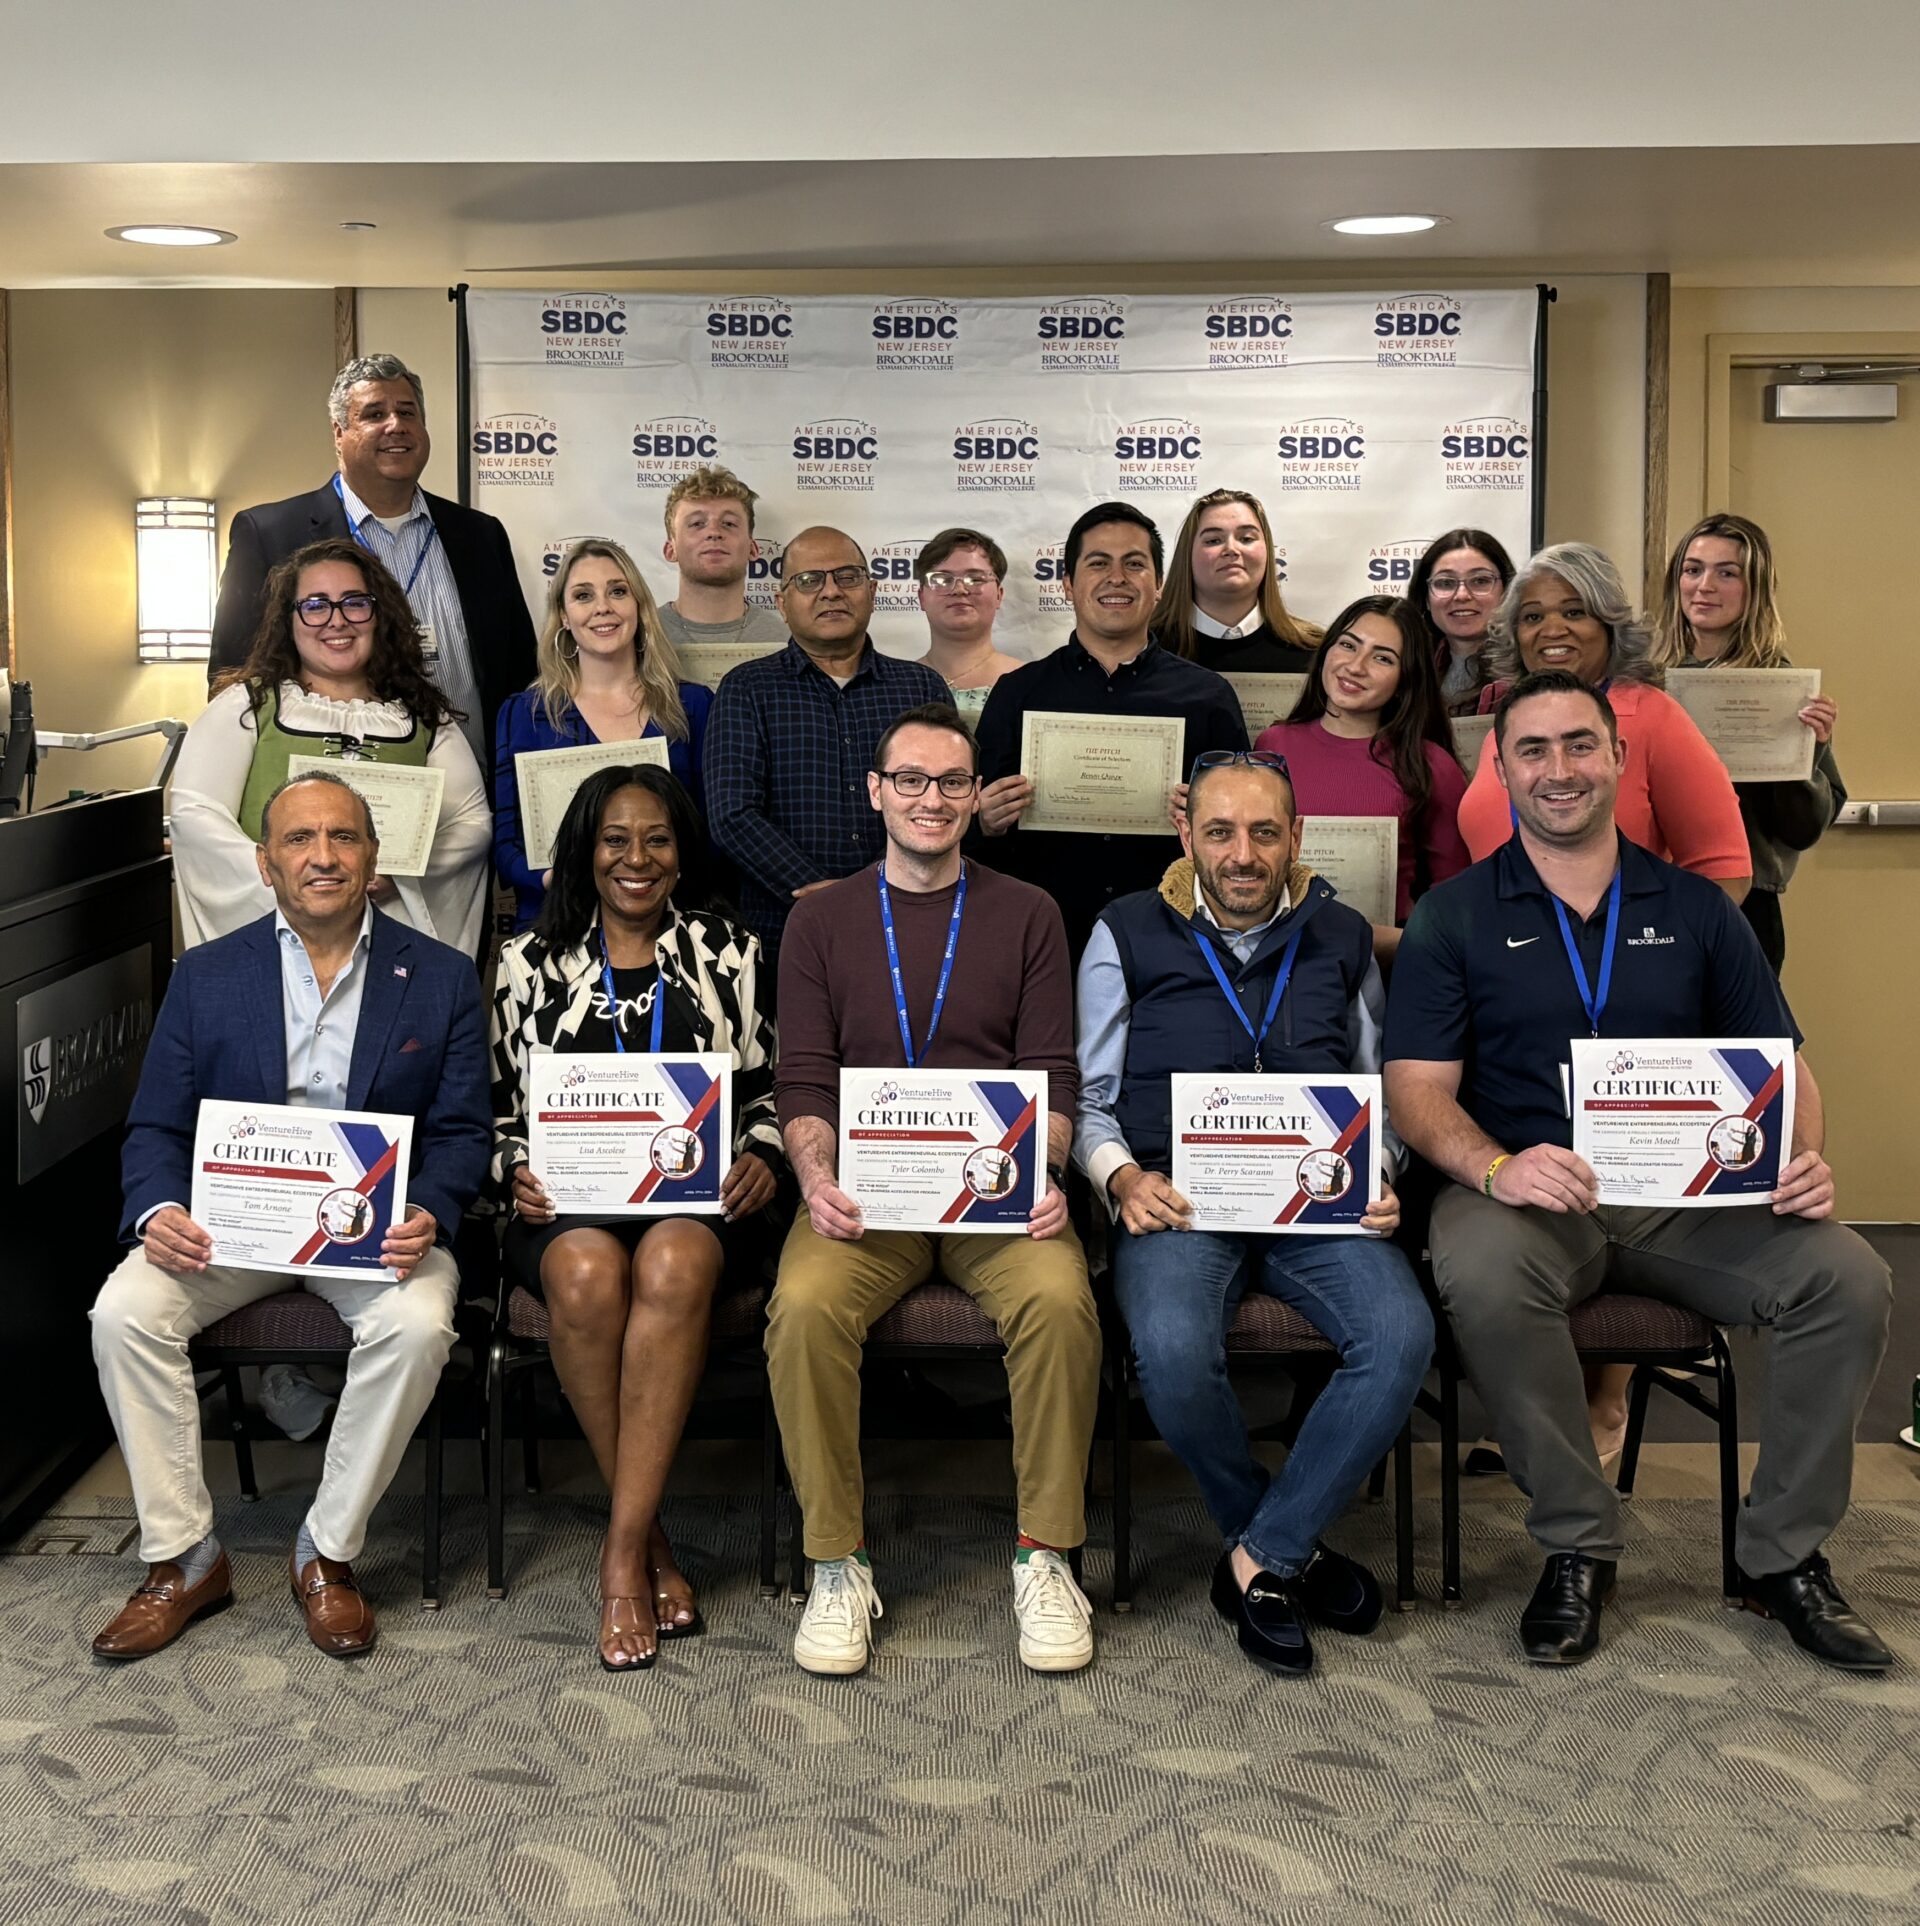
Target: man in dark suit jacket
454, 562
326, 1003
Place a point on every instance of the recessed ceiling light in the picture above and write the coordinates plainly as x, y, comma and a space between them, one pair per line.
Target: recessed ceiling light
172, 234
1385, 223
359, 227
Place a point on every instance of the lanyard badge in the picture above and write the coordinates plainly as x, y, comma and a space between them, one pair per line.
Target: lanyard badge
419, 561
1592, 1000
613, 1001
1273, 1001
893, 965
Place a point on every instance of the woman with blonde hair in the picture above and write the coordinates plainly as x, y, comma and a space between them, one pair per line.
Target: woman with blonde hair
1717, 610
608, 672
1221, 604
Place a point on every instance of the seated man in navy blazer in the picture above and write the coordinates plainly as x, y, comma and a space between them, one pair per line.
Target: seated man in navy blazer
325, 1002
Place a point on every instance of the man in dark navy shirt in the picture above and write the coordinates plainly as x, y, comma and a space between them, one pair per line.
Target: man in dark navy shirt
1109, 666
1485, 999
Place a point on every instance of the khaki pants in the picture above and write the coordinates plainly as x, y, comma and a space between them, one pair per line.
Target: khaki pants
143, 1320
828, 1297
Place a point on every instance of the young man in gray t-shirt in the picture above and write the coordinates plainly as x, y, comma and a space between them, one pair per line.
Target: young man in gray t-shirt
709, 518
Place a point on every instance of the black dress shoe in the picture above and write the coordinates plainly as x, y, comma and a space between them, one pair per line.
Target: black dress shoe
1266, 1617
1808, 1603
1340, 1593
1561, 1624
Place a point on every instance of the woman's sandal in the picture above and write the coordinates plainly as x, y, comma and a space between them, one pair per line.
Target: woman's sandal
614, 1622
693, 1628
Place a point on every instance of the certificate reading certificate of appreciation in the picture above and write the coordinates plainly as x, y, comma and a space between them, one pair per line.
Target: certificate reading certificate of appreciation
1681, 1122
281, 1187
547, 779
944, 1150
1359, 856
617, 1134
707, 662
1100, 775
1265, 697
405, 802
1752, 718
1262, 1153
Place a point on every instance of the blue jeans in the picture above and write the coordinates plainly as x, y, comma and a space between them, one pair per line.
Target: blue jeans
1179, 1291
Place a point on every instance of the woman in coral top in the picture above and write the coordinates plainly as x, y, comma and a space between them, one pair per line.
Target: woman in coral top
1567, 609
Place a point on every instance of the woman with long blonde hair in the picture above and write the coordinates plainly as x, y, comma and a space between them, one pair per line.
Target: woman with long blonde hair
608, 672
1221, 604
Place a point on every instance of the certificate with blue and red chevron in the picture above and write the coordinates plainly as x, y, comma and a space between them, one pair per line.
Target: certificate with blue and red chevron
1682, 1122
1280, 1154
944, 1150
281, 1187
622, 1134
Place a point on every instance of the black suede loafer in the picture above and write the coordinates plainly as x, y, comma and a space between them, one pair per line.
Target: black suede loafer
1808, 1603
1561, 1625
1340, 1593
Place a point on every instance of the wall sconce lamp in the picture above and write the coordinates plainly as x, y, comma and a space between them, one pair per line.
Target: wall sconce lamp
175, 556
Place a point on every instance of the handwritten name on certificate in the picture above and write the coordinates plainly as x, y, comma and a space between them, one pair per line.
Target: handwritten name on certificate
281, 1187
1681, 1122
1282, 1154
547, 779
1266, 696
617, 1134
405, 802
944, 1150
708, 662
1100, 775
1359, 856
1752, 718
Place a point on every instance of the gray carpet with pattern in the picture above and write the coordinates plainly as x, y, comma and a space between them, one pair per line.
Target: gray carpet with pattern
479, 1767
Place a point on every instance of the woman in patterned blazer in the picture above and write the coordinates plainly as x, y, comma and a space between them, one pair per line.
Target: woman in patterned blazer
630, 953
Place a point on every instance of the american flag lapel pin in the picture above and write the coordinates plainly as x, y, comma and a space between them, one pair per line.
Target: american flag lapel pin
398, 970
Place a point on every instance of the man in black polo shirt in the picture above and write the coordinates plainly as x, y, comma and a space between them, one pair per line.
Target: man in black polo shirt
1109, 665
1485, 998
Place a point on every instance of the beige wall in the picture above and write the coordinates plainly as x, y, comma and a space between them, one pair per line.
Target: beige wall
129, 393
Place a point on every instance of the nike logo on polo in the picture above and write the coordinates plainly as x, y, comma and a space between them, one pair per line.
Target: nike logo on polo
1520, 942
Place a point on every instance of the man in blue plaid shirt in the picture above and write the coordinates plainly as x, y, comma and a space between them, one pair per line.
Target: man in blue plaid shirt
792, 736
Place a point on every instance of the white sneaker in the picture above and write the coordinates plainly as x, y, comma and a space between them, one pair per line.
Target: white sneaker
292, 1401
1055, 1618
836, 1632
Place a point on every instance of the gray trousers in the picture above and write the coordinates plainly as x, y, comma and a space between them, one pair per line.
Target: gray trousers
1509, 1277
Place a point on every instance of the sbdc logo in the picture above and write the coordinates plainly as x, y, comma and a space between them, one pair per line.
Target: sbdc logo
1321, 455
895, 592
763, 575
1162, 453
555, 551
915, 334
1490, 451
1050, 580
839, 452
583, 331
1253, 333
1081, 337
1417, 331
748, 333
998, 455
516, 451
1390, 564
672, 446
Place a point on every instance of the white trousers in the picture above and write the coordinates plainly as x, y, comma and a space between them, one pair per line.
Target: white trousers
142, 1322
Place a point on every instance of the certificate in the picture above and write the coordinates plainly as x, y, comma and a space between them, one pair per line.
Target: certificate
1359, 856
1752, 718
1269, 1153
1265, 698
617, 1134
1683, 1122
547, 779
405, 801
944, 1150
281, 1187
707, 662
1470, 735
1100, 774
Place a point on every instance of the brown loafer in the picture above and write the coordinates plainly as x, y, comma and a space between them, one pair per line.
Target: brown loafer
163, 1608
339, 1621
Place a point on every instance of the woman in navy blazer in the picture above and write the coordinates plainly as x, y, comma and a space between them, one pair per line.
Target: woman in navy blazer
607, 673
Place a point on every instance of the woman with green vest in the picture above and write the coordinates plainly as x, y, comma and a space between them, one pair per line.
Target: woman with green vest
335, 671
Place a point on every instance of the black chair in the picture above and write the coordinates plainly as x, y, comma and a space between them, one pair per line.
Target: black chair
296, 1327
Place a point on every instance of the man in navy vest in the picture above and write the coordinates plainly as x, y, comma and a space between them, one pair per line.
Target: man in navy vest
1244, 961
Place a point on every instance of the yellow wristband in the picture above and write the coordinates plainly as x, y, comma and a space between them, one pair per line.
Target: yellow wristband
1486, 1182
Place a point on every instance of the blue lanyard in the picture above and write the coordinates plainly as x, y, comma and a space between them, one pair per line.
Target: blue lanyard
353, 528
893, 965
1594, 1003
613, 1001
1273, 1001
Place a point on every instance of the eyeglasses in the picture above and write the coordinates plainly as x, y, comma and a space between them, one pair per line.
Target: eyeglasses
316, 611
810, 581
1226, 758
1480, 584
942, 578
913, 782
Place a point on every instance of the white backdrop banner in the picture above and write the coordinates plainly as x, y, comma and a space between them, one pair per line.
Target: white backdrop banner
1365, 423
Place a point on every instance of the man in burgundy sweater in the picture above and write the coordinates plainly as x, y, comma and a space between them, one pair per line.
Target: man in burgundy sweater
984, 985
